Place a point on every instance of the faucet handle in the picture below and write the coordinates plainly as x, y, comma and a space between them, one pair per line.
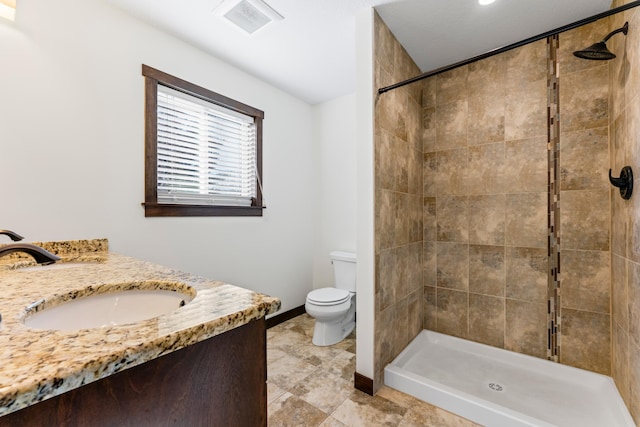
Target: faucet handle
13, 236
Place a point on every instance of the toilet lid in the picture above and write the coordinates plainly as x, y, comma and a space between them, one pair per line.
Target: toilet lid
328, 296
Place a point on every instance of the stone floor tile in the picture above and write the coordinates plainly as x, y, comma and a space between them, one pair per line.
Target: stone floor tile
332, 422
362, 410
273, 392
274, 353
290, 411
429, 415
324, 391
313, 386
286, 337
343, 365
314, 355
397, 397
288, 371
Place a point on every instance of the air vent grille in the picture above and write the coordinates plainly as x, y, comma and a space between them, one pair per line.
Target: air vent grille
250, 15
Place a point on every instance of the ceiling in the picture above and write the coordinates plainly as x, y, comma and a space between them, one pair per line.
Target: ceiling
310, 54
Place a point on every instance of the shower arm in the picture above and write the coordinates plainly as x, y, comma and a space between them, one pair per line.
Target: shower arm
624, 29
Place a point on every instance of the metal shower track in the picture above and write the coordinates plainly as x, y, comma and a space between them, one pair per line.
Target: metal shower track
511, 46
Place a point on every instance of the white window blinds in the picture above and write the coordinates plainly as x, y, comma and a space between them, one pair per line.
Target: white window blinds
206, 153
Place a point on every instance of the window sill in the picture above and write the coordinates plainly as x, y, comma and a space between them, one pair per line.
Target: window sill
165, 209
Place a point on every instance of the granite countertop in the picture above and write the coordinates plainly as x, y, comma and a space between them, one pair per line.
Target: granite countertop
39, 364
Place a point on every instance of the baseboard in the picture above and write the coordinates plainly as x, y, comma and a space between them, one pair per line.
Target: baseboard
283, 317
362, 383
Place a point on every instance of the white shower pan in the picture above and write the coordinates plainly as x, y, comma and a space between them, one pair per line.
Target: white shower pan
500, 388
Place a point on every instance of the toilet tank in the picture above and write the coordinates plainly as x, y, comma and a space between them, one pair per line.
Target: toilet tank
344, 270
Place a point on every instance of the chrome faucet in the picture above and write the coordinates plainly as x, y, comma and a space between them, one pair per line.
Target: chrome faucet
40, 255
14, 236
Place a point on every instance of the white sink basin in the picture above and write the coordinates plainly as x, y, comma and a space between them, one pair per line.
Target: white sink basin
101, 310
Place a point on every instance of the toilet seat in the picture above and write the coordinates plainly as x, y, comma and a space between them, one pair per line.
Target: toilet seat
328, 296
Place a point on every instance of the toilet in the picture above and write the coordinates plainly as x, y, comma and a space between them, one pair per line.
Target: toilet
334, 309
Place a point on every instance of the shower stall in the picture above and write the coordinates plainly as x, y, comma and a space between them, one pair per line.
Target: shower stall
496, 221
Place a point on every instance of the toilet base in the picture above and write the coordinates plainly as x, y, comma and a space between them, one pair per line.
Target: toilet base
325, 333
332, 323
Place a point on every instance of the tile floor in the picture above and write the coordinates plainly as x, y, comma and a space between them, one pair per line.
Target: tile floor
313, 386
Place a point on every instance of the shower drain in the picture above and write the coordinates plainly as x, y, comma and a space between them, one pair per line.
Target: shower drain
495, 387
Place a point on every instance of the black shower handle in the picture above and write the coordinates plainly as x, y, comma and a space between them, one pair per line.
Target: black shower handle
624, 182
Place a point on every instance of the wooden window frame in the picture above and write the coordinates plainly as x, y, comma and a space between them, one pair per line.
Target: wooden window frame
152, 208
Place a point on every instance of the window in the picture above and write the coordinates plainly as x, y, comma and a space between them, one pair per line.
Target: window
203, 151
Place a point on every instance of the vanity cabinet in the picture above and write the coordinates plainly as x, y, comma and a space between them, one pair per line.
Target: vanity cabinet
220, 381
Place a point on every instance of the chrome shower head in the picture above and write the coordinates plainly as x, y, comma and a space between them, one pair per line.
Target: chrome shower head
599, 51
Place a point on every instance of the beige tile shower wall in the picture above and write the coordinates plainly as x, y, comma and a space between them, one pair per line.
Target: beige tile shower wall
398, 202
461, 190
624, 83
485, 201
585, 339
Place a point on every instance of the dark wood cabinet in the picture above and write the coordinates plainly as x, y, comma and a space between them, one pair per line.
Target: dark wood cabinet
217, 382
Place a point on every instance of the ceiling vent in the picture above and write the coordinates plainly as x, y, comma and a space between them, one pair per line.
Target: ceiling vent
250, 15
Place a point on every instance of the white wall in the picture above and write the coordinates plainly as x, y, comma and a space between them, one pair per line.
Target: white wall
365, 269
71, 150
334, 130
